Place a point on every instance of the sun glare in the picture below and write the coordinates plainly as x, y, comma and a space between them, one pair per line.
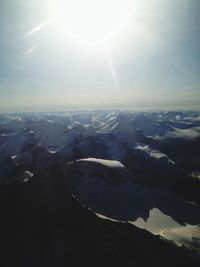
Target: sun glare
93, 22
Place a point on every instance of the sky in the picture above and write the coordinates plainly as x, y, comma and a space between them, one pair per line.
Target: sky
87, 53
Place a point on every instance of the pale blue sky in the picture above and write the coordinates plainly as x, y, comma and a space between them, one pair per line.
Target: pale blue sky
156, 58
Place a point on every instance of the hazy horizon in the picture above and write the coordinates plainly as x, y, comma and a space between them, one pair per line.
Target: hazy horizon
134, 106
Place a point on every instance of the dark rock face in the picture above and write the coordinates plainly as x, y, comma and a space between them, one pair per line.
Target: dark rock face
43, 225
11, 171
111, 176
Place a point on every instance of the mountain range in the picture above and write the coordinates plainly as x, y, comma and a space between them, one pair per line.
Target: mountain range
109, 185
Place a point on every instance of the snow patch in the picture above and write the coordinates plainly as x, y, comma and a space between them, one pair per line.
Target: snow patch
153, 153
105, 162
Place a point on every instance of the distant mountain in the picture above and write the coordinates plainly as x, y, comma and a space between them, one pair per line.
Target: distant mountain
11, 144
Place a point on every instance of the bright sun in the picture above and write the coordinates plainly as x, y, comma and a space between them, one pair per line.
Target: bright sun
93, 22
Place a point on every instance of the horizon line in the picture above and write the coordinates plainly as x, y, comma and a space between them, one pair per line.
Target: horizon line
140, 106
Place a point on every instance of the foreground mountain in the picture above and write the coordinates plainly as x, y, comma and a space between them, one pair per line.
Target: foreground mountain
109, 189
43, 225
